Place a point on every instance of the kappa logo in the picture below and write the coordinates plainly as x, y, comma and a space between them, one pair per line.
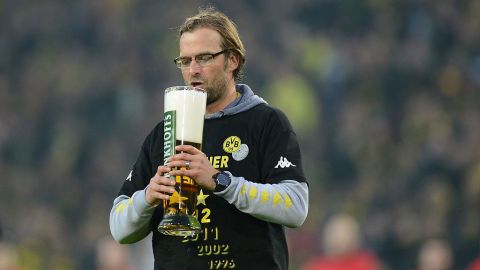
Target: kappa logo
284, 163
129, 177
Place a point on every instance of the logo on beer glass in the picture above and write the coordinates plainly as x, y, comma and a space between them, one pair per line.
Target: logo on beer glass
183, 124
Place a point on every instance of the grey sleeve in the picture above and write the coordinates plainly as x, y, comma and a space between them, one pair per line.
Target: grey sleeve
130, 217
284, 203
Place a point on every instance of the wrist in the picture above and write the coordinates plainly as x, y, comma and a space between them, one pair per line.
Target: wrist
222, 180
148, 199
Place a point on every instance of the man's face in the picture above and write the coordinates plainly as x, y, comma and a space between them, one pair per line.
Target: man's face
215, 76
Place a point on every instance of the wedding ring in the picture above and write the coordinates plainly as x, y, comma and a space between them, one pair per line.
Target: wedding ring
187, 164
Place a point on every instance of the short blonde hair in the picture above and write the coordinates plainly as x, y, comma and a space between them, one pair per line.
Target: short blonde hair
211, 18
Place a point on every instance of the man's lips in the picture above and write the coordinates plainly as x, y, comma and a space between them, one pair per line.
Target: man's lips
196, 84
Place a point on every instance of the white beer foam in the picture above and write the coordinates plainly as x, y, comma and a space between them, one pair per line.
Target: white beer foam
190, 111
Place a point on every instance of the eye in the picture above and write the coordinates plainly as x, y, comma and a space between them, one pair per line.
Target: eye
184, 61
203, 58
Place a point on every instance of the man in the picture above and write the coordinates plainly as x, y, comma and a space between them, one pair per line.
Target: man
342, 247
249, 169
435, 254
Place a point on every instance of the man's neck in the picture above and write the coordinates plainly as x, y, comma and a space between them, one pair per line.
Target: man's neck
220, 104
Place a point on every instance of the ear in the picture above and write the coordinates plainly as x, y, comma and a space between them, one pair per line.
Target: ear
233, 60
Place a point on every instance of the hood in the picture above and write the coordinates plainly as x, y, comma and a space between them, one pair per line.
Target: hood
245, 101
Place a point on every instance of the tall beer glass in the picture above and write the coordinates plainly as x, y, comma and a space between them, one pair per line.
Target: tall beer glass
184, 113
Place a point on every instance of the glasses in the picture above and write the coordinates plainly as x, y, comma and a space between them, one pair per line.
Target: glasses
202, 60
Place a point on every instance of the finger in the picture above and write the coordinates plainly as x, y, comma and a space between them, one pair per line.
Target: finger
188, 148
163, 169
190, 173
154, 197
162, 188
165, 181
182, 156
162, 180
180, 163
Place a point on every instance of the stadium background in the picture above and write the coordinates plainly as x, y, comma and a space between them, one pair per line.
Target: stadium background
384, 96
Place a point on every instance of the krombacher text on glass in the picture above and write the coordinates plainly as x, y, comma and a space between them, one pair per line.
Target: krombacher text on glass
183, 125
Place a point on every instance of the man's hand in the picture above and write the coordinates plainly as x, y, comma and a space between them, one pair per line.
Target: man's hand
159, 187
199, 168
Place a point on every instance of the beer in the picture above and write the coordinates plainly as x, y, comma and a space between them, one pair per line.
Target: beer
183, 125
188, 189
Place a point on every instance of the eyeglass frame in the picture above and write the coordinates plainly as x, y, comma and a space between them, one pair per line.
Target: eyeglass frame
199, 62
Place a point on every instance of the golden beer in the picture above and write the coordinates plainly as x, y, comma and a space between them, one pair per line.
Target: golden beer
183, 125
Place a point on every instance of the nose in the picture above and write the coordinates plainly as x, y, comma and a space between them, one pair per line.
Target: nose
194, 67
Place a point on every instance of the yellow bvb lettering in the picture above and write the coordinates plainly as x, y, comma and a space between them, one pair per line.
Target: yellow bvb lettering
206, 218
187, 180
183, 179
207, 234
213, 233
219, 162
222, 264
217, 249
224, 162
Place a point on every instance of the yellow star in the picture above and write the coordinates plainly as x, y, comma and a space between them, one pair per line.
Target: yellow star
265, 196
201, 198
253, 192
277, 198
243, 190
288, 202
121, 207
175, 198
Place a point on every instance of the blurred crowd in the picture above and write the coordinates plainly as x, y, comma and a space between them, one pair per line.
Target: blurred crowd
384, 96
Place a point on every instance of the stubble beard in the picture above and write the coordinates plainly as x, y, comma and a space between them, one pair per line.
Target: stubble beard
217, 89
